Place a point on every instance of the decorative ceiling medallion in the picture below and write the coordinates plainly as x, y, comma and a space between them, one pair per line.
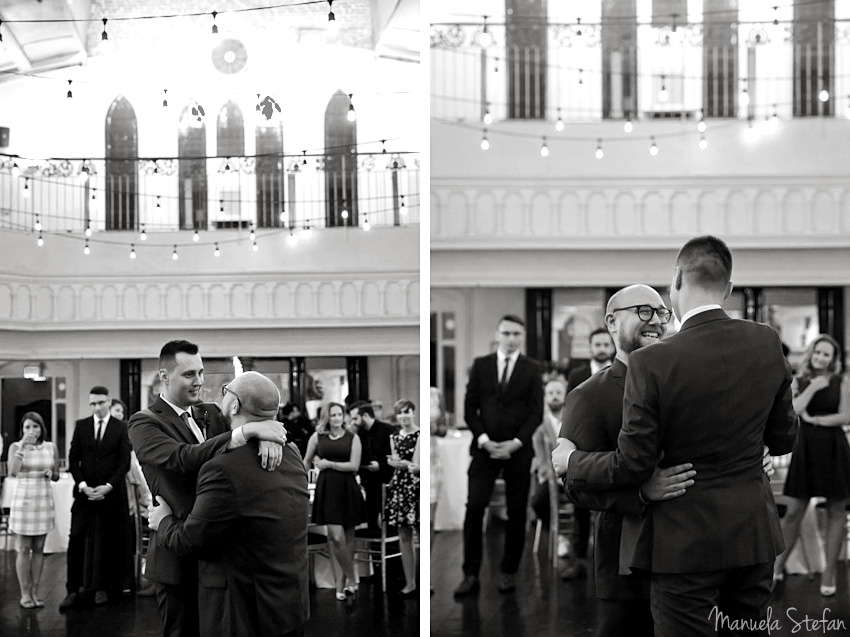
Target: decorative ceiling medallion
229, 56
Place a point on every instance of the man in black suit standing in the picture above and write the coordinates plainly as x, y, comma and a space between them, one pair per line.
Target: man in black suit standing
602, 352
593, 415
255, 519
503, 407
374, 470
712, 395
99, 459
173, 438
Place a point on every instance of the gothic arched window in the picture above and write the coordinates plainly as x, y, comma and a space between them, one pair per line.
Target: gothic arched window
191, 149
269, 172
230, 142
340, 163
122, 148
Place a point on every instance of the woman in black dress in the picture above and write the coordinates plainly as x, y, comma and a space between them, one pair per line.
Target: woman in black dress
820, 464
338, 502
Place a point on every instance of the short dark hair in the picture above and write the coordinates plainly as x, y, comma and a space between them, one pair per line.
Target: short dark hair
169, 351
513, 318
100, 390
286, 409
118, 401
599, 330
363, 408
706, 262
37, 419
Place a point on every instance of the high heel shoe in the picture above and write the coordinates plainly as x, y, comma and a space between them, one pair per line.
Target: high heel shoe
351, 590
341, 596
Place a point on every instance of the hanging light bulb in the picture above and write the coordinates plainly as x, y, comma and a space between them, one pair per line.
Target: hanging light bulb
599, 153
103, 36
214, 26
331, 16
653, 148
344, 213
157, 201
366, 225
744, 97
196, 237
403, 208
559, 123
87, 250
283, 215
823, 95
485, 38
485, 143
351, 114
703, 142
304, 160
93, 194
775, 16
16, 170
143, 235
132, 251
88, 229
255, 247
628, 127
37, 224
544, 149
487, 119
165, 98
663, 96
40, 241
217, 252
70, 94
174, 255
26, 193
292, 239
252, 235
383, 146
580, 77
221, 205
701, 125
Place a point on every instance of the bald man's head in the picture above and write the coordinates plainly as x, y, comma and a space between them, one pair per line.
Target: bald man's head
623, 319
252, 397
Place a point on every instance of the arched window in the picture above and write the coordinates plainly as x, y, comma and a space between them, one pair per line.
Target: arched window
191, 149
230, 142
340, 163
269, 170
122, 149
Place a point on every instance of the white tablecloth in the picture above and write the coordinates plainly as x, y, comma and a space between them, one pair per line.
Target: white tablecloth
57, 539
453, 452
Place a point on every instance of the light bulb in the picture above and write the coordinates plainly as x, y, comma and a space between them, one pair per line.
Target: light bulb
87, 250
282, 215
344, 213
40, 241
292, 239
366, 225
253, 235
16, 170
37, 224
88, 229
628, 127
217, 252
196, 236
653, 149
544, 149
485, 38
351, 114
174, 255
143, 235
559, 125
701, 126
488, 117
823, 96
663, 95
132, 251
599, 152
485, 144
744, 98
255, 247
26, 193
703, 143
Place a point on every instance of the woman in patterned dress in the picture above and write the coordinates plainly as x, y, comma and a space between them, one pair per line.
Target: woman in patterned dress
338, 502
35, 463
403, 489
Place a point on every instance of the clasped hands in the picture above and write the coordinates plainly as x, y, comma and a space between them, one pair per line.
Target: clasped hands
95, 493
501, 450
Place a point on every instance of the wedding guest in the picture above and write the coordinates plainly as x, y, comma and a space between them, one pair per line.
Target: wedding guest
437, 417
820, 463
335, 452
375, 472
403, 489
34, 461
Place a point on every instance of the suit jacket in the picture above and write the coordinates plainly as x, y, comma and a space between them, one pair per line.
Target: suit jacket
543, 440
98, 463
171, 458
258, 520
593, 414
503, 415
376, 446
712, 395
578, 376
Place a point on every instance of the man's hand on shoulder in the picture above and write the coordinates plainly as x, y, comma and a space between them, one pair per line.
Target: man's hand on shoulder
561, 455
270, 430
669, 483
271, 454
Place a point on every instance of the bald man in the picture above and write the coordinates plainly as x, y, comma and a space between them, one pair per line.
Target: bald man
255, 521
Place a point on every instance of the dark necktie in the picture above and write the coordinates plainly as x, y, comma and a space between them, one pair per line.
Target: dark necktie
99, 433
504, 382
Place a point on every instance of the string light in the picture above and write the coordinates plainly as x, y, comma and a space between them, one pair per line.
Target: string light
143, 235
366, 225
37, 224
214, 26
351, 114
304, 161
292, 239
87, 249
132, 251
663, 96
16, 170
196, 237
165, 98
599, 153
488, 116
823, 94
157, 201
88, 228
775, 16
283, 215
701, 125
580, 77
628, 127
383, 146
26, 193
103, 36
485, 38
255, 247
70, 94
93, 193
703, 142
40, 241
744, 97
485, 144
331, 16
653, 149
544, 149
217, 252
403, 209
221, 205
559, 123
253, 235
174, 255
344, 213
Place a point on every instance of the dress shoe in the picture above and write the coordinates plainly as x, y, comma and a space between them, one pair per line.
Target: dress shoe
100, 598
468, 586
71, 600
507, 583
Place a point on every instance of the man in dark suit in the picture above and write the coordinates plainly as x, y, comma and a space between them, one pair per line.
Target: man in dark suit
99, 459
601, 355
374, 470
593, 415
712, 395
173, 439
503, 407
257, 521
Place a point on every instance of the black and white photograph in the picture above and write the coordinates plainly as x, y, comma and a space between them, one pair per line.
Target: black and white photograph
210, 318
640, 259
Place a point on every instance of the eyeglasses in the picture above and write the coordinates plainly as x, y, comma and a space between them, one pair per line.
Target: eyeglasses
645, 312
225, 389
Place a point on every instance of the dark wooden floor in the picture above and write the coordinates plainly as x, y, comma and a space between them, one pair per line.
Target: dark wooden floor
545, 605
372, 613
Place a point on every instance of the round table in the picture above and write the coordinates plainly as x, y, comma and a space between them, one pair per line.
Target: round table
453, 454
57, 539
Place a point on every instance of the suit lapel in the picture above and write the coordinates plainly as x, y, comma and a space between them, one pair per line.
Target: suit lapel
618, 373
170, 417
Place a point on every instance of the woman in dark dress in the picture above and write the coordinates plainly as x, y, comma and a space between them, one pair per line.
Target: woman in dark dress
820, 464
338, 502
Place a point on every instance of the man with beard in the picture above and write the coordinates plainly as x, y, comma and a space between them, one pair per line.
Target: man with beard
593, 414
255, 519
714, 395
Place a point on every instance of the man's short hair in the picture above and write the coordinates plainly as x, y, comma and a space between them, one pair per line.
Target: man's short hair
363, 408
598, 330
100, 390
513, 318
169, 351
286, 409
706, 262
